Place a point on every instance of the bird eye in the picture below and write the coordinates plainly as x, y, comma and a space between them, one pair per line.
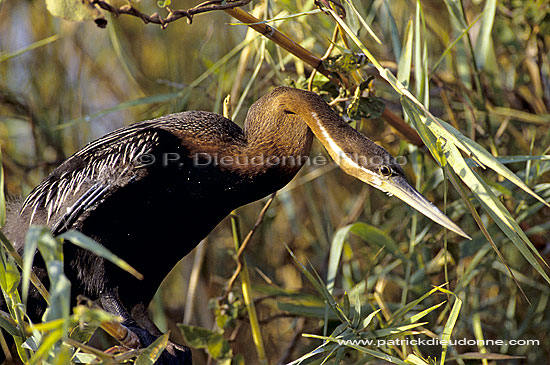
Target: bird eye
385, 170
288, 112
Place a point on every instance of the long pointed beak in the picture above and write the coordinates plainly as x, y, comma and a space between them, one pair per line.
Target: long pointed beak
399, 187
343, 143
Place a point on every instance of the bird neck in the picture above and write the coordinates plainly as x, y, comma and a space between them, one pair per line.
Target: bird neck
283, 144
281, 124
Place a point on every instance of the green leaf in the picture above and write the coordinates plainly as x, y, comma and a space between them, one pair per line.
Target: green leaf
422, 314
405, 309
335, 254
8, 326
513, 159
362, 21
29, 250
495, 209
84, 358
395, 40
484, 42
368, 319
415, 360
405, 61
370, 108
83, 332
455, 10
201, 338
343, 63
151, 354
375, 236
373, 353
218, 347
420, 57
449, 326
46, 345
37, 44
445, 130
196, 337
321, 288
454, 42
11, 278
394, 330
306, 310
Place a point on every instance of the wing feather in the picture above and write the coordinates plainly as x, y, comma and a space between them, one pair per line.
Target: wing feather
88, 174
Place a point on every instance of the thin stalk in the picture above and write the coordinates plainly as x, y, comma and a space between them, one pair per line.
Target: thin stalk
446, 260
247, 292
477, 78
193, 282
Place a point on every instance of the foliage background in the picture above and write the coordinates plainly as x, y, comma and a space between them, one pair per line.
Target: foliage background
53, 98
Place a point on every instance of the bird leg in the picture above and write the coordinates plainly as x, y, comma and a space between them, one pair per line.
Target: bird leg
141, 326
140, 315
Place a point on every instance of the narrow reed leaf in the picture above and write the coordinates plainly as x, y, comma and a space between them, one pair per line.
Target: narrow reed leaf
376, 354
83, 241
151, 354
483, 46
416, 317
384, 332
406, 308
405, 61
454, 42
495, 209
37, 44
395, 38
2, 197
363, 22
161, 98
448, 329
336, 247
29, 250
280, 18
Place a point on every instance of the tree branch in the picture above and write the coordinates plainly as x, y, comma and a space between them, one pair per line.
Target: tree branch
173, 15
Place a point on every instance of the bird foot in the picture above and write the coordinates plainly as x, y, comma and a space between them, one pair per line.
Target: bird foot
173, 354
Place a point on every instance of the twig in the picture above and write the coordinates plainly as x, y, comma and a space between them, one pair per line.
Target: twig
327, 54
245, 243
232, 8
305, 55
173, 15
280, 39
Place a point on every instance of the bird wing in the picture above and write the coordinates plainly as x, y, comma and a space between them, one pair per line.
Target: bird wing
87, 176
92, 195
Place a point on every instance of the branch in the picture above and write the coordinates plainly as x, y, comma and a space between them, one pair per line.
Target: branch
245, 242
173, 15
232, 8
305, 55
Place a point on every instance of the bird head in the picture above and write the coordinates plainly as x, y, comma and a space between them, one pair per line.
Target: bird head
356, 154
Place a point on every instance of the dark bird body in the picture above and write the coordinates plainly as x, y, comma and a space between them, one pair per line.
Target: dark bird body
151, 191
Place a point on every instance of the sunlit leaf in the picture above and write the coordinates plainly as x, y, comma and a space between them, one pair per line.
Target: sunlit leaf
83, 241
483, 45
151, 354
448, 329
